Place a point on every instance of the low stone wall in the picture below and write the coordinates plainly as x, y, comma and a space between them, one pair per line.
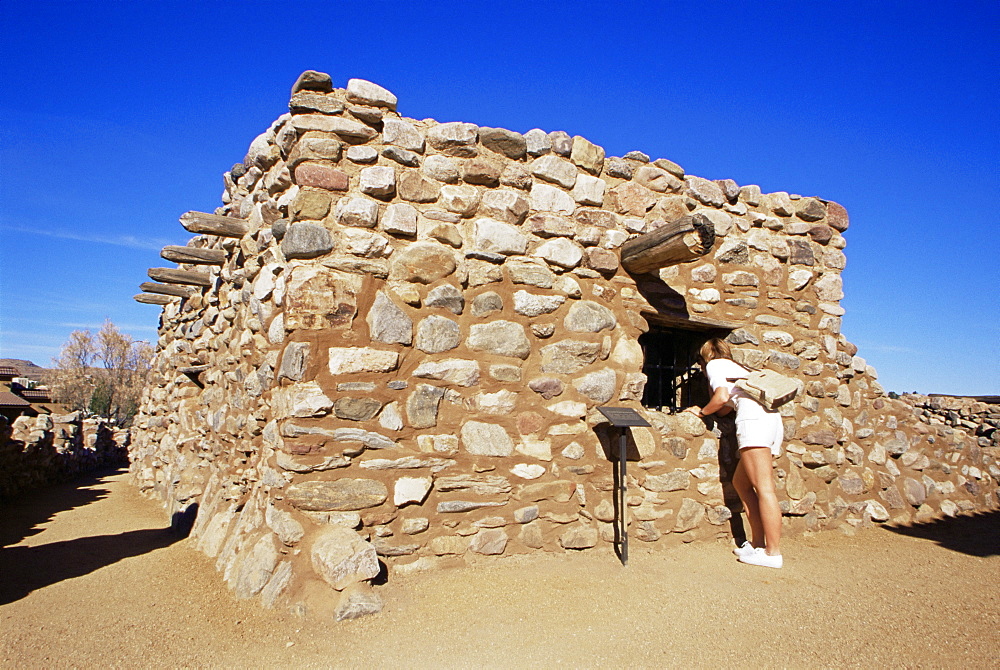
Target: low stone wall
402, 358
979, 418
48, 449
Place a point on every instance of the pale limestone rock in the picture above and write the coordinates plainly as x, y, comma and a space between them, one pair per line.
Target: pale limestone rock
705, 191
462, 200
598, 386
441, 168
528, 471
578, 536
568, 356
256, 568
555, 170
829, 287
499, 238
560, 251
411, 490
569, 408
490, 541
690, 515
537, 142
545, 198
502, 402
587, 155
486, 439
532, 304
423, 263
341, 557
455, 371
354, 360
529, 272
504, 338
504, 205
436, 334
378, 181
339, 125
454, 139
587, 316
390, 417
338, 495
358, 212
402, 134
535, 448
368, 93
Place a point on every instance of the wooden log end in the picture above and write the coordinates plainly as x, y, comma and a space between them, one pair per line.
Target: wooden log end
153, 299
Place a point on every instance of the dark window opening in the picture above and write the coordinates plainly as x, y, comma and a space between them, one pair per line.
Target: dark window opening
674, 380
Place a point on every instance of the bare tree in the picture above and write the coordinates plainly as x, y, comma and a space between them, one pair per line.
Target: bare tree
103, 373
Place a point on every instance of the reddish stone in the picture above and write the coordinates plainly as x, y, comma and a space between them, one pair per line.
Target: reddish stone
602, 260
821, 234
321, 175
529, 422
836, 216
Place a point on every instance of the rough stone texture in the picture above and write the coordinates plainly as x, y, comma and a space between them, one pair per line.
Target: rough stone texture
341, 557
452, 297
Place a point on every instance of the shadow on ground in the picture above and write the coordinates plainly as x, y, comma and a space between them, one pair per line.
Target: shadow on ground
26, 569
974, 534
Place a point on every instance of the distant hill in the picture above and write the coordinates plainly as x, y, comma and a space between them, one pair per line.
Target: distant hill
26, 368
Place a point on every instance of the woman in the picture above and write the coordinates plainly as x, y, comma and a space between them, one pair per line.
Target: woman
759, 434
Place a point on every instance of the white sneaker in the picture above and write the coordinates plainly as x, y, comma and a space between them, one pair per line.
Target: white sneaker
744, 549
761, 558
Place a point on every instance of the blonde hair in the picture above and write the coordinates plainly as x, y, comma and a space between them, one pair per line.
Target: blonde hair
714, 348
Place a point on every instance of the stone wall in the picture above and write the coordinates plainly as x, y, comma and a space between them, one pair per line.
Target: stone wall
47, 449
407, 350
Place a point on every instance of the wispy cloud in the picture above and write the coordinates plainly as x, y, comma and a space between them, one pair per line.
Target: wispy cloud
128, 241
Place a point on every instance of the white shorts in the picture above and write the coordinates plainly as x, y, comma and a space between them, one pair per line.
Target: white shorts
762, 431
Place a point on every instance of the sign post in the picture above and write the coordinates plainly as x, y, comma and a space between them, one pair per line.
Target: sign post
622, 417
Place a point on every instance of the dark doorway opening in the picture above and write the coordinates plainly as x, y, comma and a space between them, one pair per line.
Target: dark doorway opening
674, 380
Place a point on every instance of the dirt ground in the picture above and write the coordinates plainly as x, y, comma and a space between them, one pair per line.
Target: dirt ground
91, 577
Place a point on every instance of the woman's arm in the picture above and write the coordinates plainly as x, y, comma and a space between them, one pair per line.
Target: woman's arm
717, 405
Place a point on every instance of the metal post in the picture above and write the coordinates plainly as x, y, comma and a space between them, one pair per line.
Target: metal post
622, 448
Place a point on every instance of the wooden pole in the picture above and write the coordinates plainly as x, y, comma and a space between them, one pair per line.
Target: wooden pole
153, 298
174, 276
166, 289
193, 256
214, 224
680, 241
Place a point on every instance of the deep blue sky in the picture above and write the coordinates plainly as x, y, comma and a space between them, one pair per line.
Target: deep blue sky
117, 117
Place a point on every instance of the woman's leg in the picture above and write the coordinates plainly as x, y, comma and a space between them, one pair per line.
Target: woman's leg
757, 467
750, 503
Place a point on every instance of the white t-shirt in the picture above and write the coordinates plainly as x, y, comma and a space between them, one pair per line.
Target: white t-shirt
719, 371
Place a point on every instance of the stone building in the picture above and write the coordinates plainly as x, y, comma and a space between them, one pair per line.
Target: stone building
386, 350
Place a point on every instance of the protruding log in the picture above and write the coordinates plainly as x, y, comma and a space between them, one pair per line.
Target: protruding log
681, 241
153, 298
166, 289
192, 369
214, 224
174, 276
194, 256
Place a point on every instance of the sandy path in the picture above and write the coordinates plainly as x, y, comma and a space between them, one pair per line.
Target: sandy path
89, 577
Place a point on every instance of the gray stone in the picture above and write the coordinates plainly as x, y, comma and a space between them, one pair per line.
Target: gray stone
801, 253
914, 491
578, 536
481, 485
545, 198
504, 338
256, 568
690, 515
339, 125
458, 506
733, 251
294, 361
402, 134
502, 141
788, 361
422, 405
530, 273
678, 480
358, 604
341, 557
284, 525
455, 371
486, 303
362, 154
598, 386
388, 323
311, 80
462, 200
356, 409
616, 167
454, 139
705, 191
587, 316
306, 240
851, 483
568, 356
441, 168
486, 439
497, 237
587, 155
370, 439
402, 156
446, 296
339, 495
407, 463
436, 334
